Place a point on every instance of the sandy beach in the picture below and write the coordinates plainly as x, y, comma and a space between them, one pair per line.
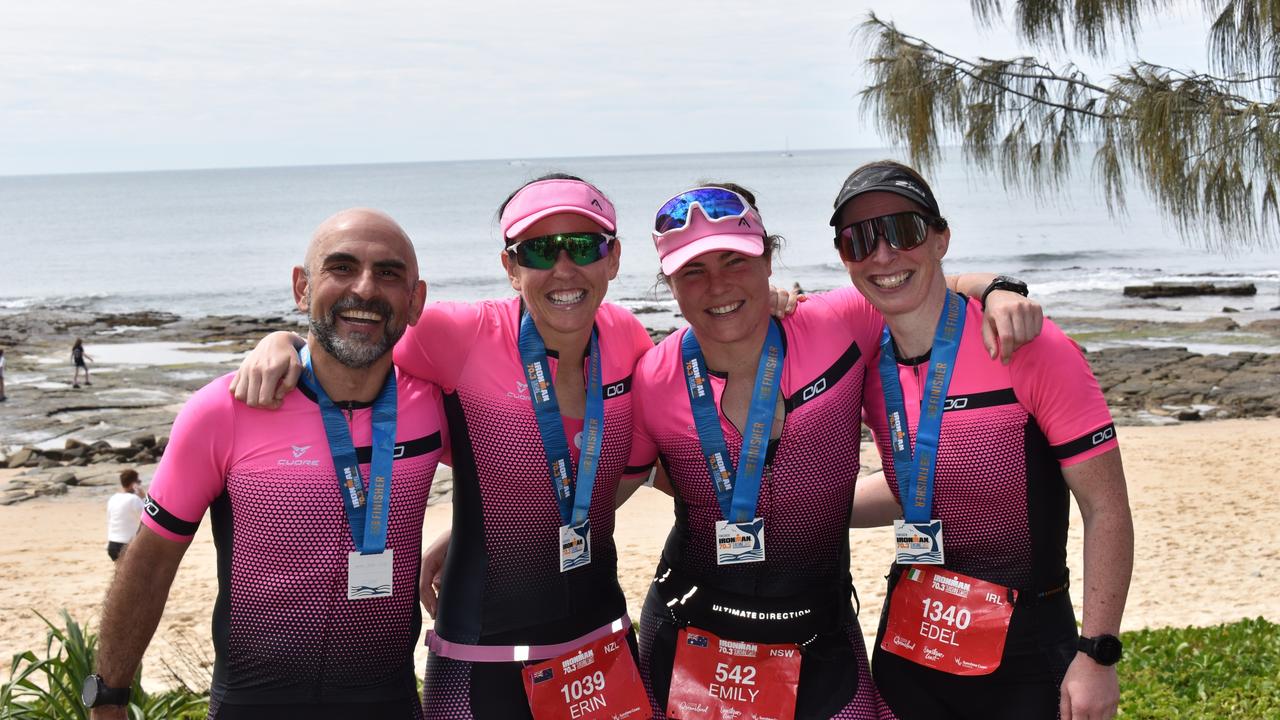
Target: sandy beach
1203, 494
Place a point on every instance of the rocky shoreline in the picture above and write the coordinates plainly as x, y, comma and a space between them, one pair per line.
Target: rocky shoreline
57, 438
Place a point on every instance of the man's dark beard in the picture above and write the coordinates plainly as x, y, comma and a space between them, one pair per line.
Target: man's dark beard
354, 351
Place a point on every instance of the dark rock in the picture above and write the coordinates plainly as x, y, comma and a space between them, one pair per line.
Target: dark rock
100, 446
1164, 290
79, 462
124, 453
1189, 415
54, 454
78, 451
46, 463
66, 478
144, 457
52, 489
73, 444
162, 442
143, 441
1229, 310
103, 458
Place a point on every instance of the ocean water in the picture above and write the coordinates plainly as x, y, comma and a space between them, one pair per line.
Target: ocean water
223, 241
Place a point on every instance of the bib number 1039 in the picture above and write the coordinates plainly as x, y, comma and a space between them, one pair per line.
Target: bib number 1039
583, 687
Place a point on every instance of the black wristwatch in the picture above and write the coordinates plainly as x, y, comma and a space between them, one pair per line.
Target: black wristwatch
1104, 649
95, 693
1004, 282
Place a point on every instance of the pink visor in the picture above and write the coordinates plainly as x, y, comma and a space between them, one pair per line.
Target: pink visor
738, 234
551, 197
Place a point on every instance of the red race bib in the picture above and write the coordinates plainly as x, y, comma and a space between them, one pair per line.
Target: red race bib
732, 680
948, 621
598, 680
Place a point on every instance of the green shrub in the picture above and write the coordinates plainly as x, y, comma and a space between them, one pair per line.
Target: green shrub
1224, 672
48, 688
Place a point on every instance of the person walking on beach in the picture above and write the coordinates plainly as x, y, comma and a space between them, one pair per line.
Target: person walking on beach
3, 397
981, 456
317, 612
124, 512
78, 357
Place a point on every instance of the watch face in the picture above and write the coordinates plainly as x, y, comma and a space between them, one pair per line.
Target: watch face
89, 691
1108, 649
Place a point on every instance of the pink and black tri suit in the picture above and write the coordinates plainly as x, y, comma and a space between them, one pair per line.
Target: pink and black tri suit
287, 640
1007, 432
805, 499
502, 582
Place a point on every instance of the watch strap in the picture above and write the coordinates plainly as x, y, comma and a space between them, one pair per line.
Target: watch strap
1004, 282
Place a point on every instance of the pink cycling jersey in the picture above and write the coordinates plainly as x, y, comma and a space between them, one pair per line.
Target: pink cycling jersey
1007, 431
502, 582
284, 631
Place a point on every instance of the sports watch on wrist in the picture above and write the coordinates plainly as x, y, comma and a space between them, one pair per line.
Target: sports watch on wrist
1004, 282
95, 693
1104, 649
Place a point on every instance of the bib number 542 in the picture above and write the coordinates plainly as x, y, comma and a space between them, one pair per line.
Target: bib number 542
738, 674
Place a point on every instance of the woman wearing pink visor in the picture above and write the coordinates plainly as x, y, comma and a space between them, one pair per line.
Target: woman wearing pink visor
537, 396
757, 423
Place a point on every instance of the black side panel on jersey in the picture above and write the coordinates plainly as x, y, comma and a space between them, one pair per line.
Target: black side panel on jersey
1048, 510
223, 532
827, 379
407, 449
460, 618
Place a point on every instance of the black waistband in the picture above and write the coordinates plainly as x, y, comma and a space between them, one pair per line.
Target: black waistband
798, 618
1025, 596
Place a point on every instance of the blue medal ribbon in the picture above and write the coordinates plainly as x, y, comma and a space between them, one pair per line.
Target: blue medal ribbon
915, 470
572, 495
367, 513
737, 490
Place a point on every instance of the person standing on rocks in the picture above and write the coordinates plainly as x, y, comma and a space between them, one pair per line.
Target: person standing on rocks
317, 609
3, 397
78, 356
124, 512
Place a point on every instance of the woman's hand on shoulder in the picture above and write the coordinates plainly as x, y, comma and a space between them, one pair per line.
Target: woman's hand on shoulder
1009, 321
269, 372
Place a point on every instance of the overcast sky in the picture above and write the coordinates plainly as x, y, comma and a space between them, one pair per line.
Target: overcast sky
156, 84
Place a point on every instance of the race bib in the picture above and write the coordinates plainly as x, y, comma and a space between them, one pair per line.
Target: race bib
596, 681
732, 680
948, 621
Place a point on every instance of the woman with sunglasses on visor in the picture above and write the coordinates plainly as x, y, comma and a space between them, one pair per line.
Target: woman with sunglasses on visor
537, 396
757, 425
979, 458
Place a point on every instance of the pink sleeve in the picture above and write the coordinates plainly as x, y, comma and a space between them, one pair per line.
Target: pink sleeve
644, 451
436, 349
1051, 377
861, 316
193, 470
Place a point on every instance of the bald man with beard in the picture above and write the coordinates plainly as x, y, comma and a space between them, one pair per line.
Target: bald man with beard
316, 508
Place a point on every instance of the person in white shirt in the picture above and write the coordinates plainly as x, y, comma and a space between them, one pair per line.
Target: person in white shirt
124, 512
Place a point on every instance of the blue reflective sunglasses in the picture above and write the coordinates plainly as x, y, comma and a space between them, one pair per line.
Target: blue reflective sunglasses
716, 203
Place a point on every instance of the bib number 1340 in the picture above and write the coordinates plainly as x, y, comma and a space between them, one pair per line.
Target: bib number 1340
938, 612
